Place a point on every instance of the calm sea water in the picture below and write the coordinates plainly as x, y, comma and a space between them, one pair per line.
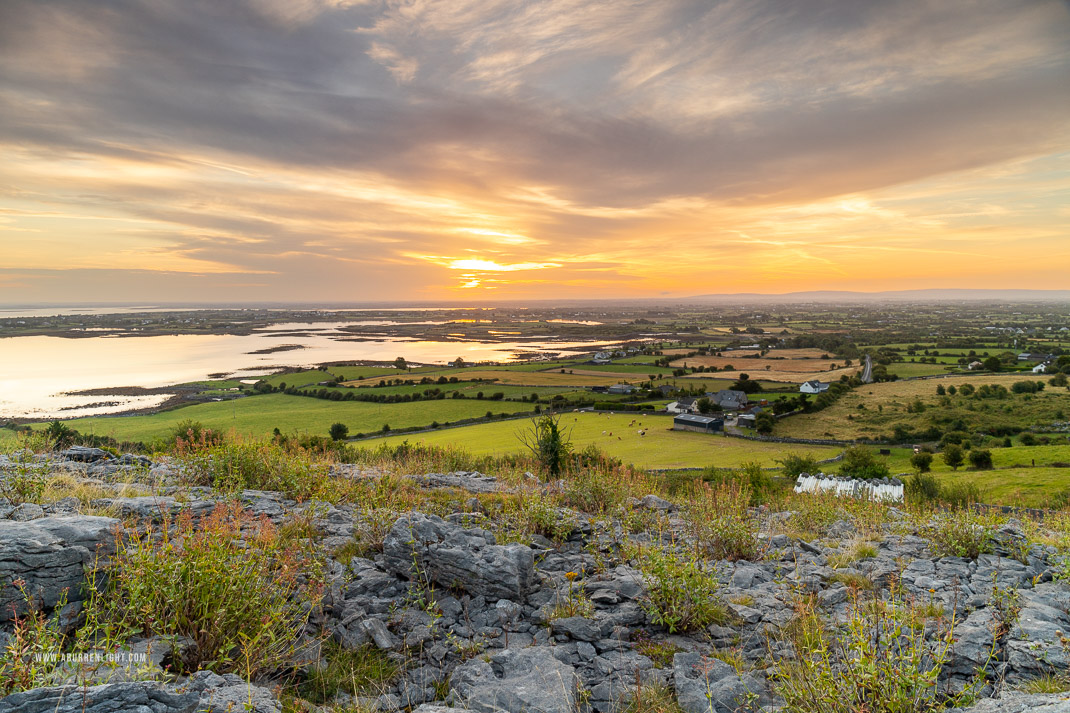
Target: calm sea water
37, 374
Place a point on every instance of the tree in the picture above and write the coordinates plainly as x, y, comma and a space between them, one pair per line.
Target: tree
921, 461
795, 465
764, 422
992, 364
952, 455
981, 459
547, 442
859, 462
940, 390
459, 362
338, 431
61, 434
400, 363
704, 405
744, 384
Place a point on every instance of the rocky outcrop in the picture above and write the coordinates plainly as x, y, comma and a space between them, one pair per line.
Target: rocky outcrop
1018, 702
708, 685
108, 698
451, 556
530, 680
50, 556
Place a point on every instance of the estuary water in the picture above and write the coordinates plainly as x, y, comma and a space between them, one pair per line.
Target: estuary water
38, 374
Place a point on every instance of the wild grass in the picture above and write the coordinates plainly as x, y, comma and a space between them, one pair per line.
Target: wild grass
362, 672
652, 698
720, 521
242, 607
681, 589
879, 661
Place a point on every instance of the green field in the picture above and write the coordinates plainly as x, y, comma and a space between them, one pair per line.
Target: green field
7, 438
659, 448
906, 369
1024, 487
259, 415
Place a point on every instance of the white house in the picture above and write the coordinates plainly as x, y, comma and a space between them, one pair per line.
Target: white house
682, 406
1040, 368
813, 387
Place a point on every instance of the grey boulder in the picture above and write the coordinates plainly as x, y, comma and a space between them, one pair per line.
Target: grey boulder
50, 555
108, 698
706, 685
529, 680
419, 545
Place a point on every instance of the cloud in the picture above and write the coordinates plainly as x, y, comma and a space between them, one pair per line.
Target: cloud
320, 139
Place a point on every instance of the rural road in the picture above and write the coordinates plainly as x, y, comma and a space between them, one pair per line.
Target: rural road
867, 373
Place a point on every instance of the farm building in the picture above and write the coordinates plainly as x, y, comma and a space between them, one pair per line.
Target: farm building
730, 400
747, 420
702, 424
1040, 369
621, 389
813, 387
682, 406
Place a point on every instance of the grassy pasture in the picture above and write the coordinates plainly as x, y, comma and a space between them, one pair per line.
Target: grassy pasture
885, 405
758, 371
659, 448
258, 415
522, 378
905, 370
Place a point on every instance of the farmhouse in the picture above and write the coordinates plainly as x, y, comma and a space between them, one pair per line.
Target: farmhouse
813, 387
1040, 368
975, 365
730, 400
682, 406
702, 424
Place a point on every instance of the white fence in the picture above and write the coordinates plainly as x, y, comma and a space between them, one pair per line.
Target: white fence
887, 489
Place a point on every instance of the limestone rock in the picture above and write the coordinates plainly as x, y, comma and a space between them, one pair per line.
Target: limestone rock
453, 556
108, 698
529, 680
705, 685
50, 555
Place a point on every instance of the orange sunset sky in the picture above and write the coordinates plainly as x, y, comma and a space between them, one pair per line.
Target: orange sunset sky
300, 150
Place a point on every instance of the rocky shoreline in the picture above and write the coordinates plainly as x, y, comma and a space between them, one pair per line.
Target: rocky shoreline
472, 623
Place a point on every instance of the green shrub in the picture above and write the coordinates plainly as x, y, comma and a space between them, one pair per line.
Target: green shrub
681, 590
960, 533
879, 662
859, 462
795, 464
243, 607
981, 459
921, 461
953, 456
922, 488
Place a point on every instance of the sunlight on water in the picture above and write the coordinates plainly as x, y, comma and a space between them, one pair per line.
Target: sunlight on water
36, 373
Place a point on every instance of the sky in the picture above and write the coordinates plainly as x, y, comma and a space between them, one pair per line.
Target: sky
335, 150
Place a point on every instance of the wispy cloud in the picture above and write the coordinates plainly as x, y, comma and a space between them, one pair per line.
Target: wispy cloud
326, 147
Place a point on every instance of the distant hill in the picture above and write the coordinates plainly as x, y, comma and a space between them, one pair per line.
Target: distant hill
932, 295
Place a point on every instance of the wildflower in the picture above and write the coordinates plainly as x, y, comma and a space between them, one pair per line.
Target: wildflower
570, 576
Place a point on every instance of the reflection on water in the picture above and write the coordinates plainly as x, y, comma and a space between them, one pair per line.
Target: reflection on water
36, 372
